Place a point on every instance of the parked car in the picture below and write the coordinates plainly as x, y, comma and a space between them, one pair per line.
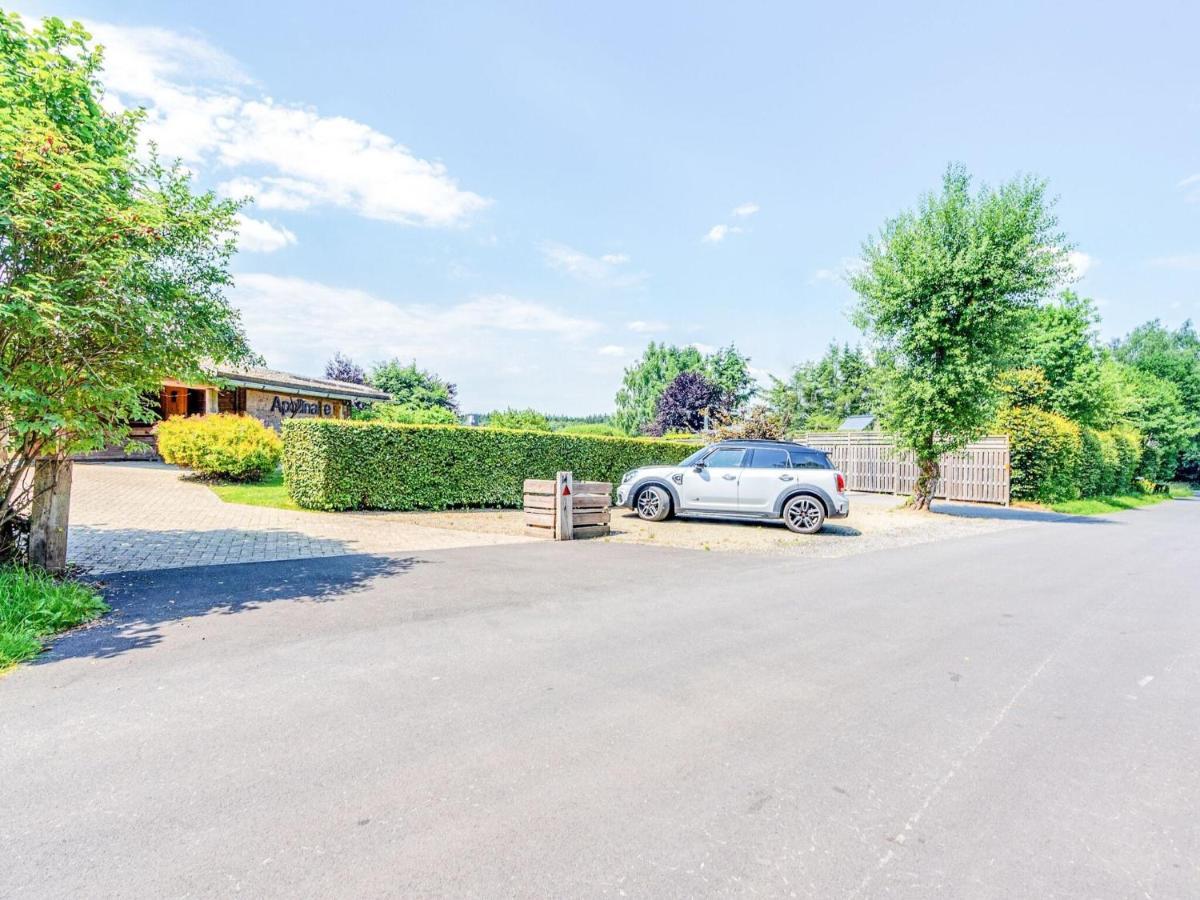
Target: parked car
745, 480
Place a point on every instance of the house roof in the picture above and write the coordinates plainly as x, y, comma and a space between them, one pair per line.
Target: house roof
273, 379
857, 423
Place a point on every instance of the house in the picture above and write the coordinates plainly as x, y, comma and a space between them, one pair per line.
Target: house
268, 395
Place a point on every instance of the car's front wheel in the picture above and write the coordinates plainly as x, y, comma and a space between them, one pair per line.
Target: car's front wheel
653, 504
804, 514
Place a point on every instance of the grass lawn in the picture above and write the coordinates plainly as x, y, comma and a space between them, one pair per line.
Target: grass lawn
1096, 506
33, 605
268, 492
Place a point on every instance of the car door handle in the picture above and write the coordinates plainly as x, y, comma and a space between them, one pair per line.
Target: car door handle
785, 477
729, 477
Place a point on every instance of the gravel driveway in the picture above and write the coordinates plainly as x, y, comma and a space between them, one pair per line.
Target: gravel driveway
876, 522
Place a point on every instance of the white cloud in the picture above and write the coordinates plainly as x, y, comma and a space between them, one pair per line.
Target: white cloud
611, 350
718, 233
746, 210
1079, 263
847, 267
1185, 261
257, 236
298, 324
706, 349
1191, 188
202, 108
640, 326
580, 265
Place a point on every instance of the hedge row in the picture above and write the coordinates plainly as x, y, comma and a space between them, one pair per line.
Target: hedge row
330, 464
1055, 459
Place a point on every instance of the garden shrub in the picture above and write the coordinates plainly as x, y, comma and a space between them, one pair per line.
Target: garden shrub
34, 604
239, 448
600, 429
406, 413
1045, 450
333, 465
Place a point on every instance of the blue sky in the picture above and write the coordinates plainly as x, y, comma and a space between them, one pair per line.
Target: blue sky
519, 196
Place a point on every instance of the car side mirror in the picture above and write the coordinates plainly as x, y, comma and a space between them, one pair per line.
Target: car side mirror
697, 467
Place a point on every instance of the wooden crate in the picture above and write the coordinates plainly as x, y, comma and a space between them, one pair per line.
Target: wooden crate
586, 505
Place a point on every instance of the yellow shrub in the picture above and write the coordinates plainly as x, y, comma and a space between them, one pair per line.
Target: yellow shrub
220, 446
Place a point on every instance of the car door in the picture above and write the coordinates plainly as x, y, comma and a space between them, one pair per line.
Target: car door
766, 474
713, 487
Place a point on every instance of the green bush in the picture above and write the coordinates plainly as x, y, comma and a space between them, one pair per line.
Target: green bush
239, 448
332, 465
406, 414
595, 429
33, 605
519, 419
1045, 451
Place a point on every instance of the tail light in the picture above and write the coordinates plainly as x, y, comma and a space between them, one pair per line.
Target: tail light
841, 483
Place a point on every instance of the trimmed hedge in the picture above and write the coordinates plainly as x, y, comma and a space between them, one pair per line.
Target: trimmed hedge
1055, 459
331, 465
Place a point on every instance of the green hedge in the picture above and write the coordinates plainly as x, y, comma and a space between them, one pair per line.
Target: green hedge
1055, 459
330, 464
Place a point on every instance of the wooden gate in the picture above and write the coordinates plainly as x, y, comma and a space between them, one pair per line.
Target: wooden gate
565, 509
979, 473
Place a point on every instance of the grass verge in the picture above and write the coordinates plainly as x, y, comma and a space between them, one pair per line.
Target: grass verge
271, 491
1097, 506
34, 605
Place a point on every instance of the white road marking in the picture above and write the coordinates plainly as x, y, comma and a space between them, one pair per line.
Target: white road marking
1142, 682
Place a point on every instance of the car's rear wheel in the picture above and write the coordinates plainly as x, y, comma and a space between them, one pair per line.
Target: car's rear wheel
653, 504
804, 514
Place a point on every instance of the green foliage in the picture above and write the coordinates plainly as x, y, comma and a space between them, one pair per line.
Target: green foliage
1154, 407
1045, 453
518, 419
760, 423
34, 604
111, 268
239, 448
1059, 338
1098, 506
270, 491
410, 386
405, 414
820, 395
595, 429
1023, 387
647, 379
358, 465
942, 290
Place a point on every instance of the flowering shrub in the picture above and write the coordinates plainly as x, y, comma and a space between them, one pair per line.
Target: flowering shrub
220, 446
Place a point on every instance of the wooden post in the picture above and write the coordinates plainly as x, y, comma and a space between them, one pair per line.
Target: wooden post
564, 516
48, 521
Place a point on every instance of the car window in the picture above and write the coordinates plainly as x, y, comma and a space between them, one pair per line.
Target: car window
725, 458
769, 458
810, 459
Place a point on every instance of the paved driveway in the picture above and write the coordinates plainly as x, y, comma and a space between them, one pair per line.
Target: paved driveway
139, 516
1009, 715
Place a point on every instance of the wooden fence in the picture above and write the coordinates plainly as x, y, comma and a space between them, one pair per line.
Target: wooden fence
979, 472
565, 509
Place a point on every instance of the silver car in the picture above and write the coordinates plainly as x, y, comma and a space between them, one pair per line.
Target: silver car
756, 480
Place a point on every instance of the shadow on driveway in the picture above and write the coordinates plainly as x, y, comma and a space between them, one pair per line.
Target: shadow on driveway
1012, 513
143, 601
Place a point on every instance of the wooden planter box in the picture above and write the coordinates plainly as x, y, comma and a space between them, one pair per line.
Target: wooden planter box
565, 509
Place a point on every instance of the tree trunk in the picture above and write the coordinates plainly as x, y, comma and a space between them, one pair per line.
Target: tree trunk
48, 520
926, 485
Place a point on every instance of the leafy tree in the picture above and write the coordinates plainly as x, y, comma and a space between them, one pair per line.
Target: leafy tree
519, 419
1059, 338
405, 415
1155, 407
111, 267
688, 400
410, 386
759, 423
941, 290
1175, 357
645, 381
343, 368
821, 394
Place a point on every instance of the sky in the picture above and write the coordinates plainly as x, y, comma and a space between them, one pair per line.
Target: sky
520, 196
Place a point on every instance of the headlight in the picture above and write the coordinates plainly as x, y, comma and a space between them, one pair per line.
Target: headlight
629, 476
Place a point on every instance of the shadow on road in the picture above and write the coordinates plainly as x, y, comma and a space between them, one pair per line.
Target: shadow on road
143, 601
1013, 513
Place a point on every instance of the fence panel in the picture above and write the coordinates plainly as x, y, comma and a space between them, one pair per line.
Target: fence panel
979, 472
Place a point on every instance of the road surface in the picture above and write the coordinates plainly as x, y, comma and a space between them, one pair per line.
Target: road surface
1010, 715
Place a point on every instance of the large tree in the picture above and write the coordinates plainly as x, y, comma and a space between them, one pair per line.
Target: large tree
821, 394
647, 379
343, 368
413, 387
112, 268
687, 404
941, 290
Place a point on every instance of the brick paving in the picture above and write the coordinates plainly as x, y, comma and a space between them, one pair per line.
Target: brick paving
131, 516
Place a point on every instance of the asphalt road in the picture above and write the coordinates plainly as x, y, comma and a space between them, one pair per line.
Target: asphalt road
1010, 715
